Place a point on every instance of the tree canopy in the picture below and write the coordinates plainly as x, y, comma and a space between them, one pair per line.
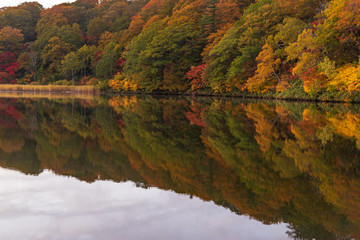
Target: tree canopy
243, 46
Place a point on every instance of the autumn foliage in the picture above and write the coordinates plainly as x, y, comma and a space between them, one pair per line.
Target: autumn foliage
8, 67
196, 75
205, 46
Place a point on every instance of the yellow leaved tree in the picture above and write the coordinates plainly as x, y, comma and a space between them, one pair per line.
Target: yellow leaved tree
347, 78
265, 77
122, 83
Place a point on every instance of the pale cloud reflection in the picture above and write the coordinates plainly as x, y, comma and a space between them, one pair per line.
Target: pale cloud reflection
57, 207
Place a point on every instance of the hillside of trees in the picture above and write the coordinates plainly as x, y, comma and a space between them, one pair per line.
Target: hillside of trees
294, 48
296, 163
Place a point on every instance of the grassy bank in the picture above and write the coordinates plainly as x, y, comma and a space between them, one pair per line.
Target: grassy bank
50, 89
48, 95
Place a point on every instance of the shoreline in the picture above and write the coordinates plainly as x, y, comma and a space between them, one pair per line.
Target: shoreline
48, 91
50, 95
17, 88
234, 95
81, 91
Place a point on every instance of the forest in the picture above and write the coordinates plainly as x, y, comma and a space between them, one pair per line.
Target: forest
306, 49
296, 163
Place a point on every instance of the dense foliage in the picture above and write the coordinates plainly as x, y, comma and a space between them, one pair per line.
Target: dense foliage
310, 47
287, 162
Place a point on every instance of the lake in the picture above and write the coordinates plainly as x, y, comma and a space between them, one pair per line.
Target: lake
143, 167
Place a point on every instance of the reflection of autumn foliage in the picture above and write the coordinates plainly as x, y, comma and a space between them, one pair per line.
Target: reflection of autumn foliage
9, 115
121, 103
195, 115
11, 140
11, 111
276, 162
264, 121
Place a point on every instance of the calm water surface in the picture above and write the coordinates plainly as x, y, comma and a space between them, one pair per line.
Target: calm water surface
178, 168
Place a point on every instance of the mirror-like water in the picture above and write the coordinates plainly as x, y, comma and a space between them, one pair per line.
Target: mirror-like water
178, 168
55, 207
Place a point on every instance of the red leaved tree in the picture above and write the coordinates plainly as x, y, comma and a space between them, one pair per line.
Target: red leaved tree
8, 67
196, 75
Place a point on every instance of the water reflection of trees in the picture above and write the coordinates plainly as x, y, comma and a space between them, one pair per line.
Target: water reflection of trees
276, 162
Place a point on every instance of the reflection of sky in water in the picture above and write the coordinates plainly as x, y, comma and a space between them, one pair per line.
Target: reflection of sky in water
57, 207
